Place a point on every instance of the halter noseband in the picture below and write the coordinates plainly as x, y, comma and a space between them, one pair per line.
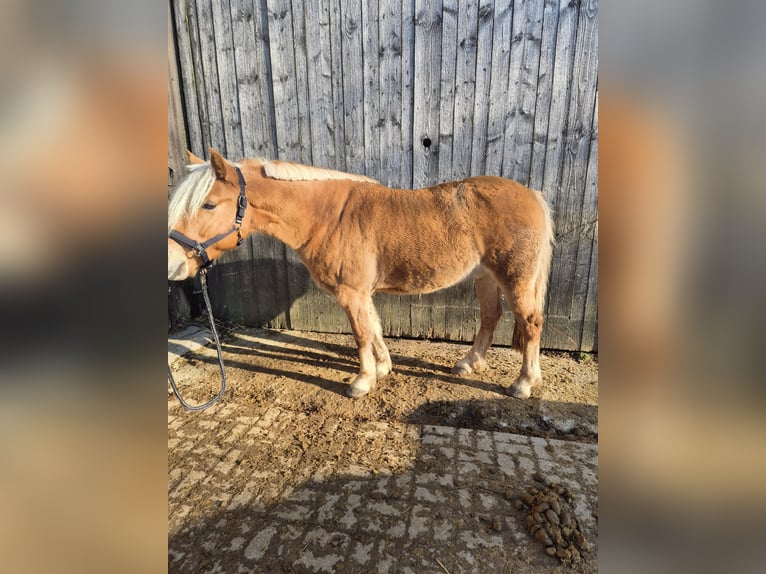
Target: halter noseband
200, 248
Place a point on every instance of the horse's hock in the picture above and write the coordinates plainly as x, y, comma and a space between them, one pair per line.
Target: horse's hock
286, 474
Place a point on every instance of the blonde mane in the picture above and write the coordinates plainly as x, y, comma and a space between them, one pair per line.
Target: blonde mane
190, 194
289, 171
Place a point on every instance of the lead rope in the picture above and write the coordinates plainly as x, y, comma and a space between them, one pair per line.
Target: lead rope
177, 393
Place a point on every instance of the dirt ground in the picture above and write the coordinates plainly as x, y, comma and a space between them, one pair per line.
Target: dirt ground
287, 421
309, 372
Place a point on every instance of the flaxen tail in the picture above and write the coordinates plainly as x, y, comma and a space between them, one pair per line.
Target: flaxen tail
544, 256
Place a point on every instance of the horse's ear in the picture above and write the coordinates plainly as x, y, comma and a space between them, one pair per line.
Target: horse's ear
219, 164
193, 159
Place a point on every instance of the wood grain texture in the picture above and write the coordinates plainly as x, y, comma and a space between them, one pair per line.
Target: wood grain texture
426, 89
353, 86
571, 155
498, 88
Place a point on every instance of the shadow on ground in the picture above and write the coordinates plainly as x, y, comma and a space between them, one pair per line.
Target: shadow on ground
450, 510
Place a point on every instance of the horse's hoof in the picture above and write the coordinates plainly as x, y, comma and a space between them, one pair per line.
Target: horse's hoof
382, 370
359, 388
522, 389
462, 368
469, 365
355, 393
519, 392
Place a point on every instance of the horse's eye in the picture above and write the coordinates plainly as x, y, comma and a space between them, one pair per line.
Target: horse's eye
209, 206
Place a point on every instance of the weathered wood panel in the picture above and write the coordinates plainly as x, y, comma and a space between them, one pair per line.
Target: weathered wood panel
571, 158
411, 92
179, 308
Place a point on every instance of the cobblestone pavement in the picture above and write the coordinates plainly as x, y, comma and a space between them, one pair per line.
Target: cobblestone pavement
444, 506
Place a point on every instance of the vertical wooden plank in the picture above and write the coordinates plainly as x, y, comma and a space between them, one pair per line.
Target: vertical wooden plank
227, 80
522, 90
200, 83
498, 88
426, 92
336, 51
300, 65
560, 91
283, 78
252, 78
320, 68
465, 72
373, 120
586, 293
447, 91
188, 78
389, 62
576, 139
207, 51
544, 93
179, 309
407, 95
482, 88
353, 88
590, 322
176, 128
580, 205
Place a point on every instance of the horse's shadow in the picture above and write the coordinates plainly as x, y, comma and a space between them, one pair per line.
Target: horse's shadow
256, 290
302, 351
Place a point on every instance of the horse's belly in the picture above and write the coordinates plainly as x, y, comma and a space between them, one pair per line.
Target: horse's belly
406, 279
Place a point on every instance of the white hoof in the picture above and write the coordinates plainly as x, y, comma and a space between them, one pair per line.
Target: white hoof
382, 370
462, 367
360, 386
469, 365
522, 388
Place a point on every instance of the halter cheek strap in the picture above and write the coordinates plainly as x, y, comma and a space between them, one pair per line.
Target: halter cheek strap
200, 248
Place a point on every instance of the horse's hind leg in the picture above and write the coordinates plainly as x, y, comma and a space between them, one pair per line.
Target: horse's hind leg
488, 294
357, 306
379, 349
526, 337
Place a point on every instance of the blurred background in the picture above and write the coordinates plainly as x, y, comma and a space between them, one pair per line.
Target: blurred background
681, 273
83, 148
83, 140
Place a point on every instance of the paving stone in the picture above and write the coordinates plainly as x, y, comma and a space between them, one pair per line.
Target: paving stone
453, 510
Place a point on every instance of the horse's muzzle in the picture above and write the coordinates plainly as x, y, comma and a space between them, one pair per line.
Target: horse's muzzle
178, 268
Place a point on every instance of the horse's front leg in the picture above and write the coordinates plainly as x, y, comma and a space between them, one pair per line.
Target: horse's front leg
357, 307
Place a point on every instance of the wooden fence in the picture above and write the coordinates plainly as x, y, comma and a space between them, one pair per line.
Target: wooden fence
409, 92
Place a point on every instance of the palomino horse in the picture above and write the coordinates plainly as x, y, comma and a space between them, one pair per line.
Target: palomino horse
357, 237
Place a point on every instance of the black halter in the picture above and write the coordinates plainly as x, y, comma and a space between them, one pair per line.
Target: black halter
200, 248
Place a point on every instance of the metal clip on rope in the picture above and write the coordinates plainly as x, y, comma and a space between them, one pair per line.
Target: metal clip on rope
177, 393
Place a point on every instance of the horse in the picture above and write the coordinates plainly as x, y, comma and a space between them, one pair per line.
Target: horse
357, 237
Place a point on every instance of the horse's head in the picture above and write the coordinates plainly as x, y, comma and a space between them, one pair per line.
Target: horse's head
205, 215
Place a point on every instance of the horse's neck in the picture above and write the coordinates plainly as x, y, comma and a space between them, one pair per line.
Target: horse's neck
286, 210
